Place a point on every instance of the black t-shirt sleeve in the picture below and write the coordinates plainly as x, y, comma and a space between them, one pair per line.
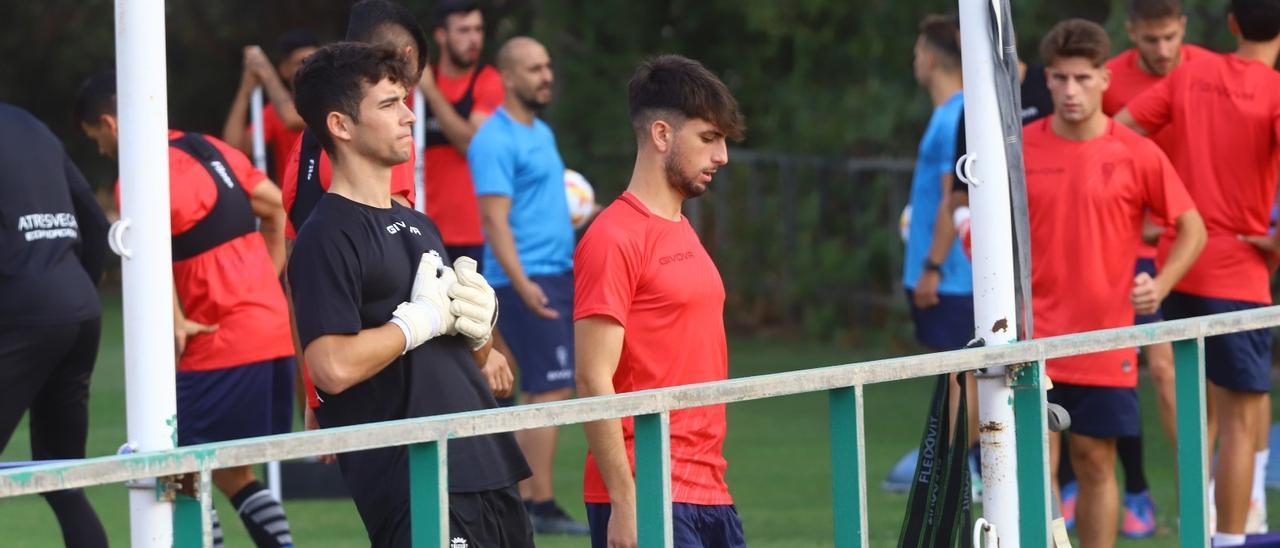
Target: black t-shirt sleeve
324, 275
91, 220
961, 146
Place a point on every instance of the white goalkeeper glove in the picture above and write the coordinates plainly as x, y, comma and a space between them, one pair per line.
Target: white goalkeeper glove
426, 314
473, 302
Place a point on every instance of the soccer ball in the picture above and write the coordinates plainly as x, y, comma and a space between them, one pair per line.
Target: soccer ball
582, 198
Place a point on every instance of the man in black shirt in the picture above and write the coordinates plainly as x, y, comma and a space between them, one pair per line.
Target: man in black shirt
53, 241
388, 331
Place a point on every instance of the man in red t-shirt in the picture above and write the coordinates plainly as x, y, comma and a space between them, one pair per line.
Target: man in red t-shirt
1156, 29
281, 124
231, 324
1223, 112
1089, 181
649, 308
461, 93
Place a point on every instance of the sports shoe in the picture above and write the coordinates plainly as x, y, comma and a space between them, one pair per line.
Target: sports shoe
1139, 515
1069, 492
549, 518
899, 480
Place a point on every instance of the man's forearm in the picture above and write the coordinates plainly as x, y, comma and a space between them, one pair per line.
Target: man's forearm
338, 362
283, 101
607, 445
503, 243
1186, 248
235, 130
272, 230
944, 234
455, 128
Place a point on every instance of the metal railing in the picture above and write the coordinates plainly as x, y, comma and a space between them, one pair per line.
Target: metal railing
428, 437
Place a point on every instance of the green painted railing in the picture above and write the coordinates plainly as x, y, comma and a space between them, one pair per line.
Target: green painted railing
428, 437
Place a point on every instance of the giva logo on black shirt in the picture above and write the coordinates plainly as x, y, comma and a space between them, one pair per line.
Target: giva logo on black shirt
401, 225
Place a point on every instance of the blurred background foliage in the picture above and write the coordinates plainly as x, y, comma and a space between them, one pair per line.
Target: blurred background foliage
820, 82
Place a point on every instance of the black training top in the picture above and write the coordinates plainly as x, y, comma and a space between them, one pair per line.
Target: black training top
352, 264
53, 235
1036, 104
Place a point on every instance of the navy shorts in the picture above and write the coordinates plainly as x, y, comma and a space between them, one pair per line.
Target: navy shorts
1099, 411
947, 325
693, 526
474, 251
1149, 266
1235, 361
236, 402
542, 348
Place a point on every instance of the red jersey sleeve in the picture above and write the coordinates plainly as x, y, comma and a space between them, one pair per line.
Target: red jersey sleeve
1166, 196
1153, 108
606, 269
248, 175
401, 176
489, 91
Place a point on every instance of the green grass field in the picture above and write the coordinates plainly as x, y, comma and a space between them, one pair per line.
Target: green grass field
778, 452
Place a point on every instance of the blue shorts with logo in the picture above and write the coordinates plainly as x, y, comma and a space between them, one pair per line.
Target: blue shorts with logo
693, 525
1147, 265
542, 348
1099, 411
239, 402
1235, 361
947, 325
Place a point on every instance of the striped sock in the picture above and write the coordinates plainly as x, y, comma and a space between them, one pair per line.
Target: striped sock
216, 527
262, 516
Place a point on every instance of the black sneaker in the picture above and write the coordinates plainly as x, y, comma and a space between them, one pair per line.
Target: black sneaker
551, 519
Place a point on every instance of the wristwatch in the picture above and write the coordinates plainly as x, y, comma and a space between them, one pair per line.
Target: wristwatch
931, 266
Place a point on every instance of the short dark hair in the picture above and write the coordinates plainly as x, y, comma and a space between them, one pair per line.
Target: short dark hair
1259, 20
369, 16
444, 8
942, 33
294, 40
674, 84
333, 78
1076, 38
1154, 10
97, 96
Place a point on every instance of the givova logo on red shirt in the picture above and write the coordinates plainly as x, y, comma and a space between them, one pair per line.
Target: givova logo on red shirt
675, 258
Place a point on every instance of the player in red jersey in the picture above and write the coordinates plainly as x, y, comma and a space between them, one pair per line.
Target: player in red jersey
1223, 113
235, 365
1089, 181
1156, 29
461, 93
281, 124
649, 307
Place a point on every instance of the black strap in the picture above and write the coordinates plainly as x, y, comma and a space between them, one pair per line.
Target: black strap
309, 187
232, 214
938, 507
434, 134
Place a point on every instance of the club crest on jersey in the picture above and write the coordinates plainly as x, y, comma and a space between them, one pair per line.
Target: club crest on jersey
397, 226
458, 542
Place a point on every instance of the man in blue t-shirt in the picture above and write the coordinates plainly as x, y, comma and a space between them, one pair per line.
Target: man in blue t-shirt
936, 274
528, 256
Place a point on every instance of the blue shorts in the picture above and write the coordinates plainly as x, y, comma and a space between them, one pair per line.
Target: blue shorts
1235, 361
542, 348
1099, 411
474, 251
1149, 266
693, 526
236, 402
947, 325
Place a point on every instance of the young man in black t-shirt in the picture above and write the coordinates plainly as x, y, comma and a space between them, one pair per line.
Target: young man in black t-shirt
388, 331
